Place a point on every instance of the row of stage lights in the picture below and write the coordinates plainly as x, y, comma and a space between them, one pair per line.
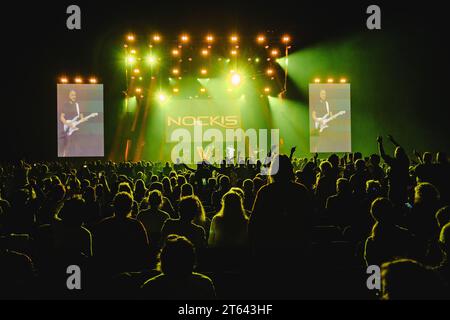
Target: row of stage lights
131, 59
209, 38
77, 80
330, 80
270, 72
175, 91
205, 51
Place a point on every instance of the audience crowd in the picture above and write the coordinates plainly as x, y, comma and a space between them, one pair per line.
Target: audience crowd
293, 228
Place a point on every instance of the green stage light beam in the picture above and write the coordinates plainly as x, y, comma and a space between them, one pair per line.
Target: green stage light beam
291, 117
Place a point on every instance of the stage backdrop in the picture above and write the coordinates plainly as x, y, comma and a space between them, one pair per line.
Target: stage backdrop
193, 117
329, 118
82, 106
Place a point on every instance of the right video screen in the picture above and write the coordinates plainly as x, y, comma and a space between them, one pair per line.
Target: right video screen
329, 118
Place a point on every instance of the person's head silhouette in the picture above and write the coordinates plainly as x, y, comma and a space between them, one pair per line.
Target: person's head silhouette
177, 257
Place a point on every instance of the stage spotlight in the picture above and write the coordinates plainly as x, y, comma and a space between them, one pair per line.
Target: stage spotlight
78, 80
138, 90
209, 38
261, 39
175, 52
175, 71
151, 60
156, 38
204, 52
175, 90
286, 39
257, 60
92, 80
133, 51
235, 79
267, 89
234, 38
202, 90
203, 71
274, 52
330, 80
316, 80
233, 52
162, 97
343, 80
130, 37
184, 38
131, 60
63, 80
269, 71
136, 71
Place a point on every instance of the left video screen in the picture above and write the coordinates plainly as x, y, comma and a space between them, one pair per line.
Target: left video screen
80, 120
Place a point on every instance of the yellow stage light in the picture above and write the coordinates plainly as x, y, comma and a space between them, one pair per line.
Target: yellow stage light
78, 80
233, 52
130, 37
175, 71
330, 80
274, 52
92, 80
209, 38
63, 80
184, 38
175, 52
267, 89
202, 90
156, 38
234, 38
138, 90
176, 90
343, 80
316, 80
205, 52
203, 71
260, 39
286, 39
269, 72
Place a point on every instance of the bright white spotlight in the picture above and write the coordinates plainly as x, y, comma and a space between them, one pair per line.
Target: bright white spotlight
235, 79
162, 97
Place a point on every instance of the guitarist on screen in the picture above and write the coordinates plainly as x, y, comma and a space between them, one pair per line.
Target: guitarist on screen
323, 108
71, 116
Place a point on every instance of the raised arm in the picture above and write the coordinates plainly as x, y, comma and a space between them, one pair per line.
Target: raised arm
391, 138
188, 168
380, 147
292, 153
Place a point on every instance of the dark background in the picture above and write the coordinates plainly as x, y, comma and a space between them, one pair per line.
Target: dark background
404, 69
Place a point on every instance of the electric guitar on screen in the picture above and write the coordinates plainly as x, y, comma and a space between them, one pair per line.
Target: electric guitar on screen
322, 123
76, 121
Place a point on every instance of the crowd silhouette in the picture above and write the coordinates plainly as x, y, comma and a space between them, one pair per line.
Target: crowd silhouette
150, 230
